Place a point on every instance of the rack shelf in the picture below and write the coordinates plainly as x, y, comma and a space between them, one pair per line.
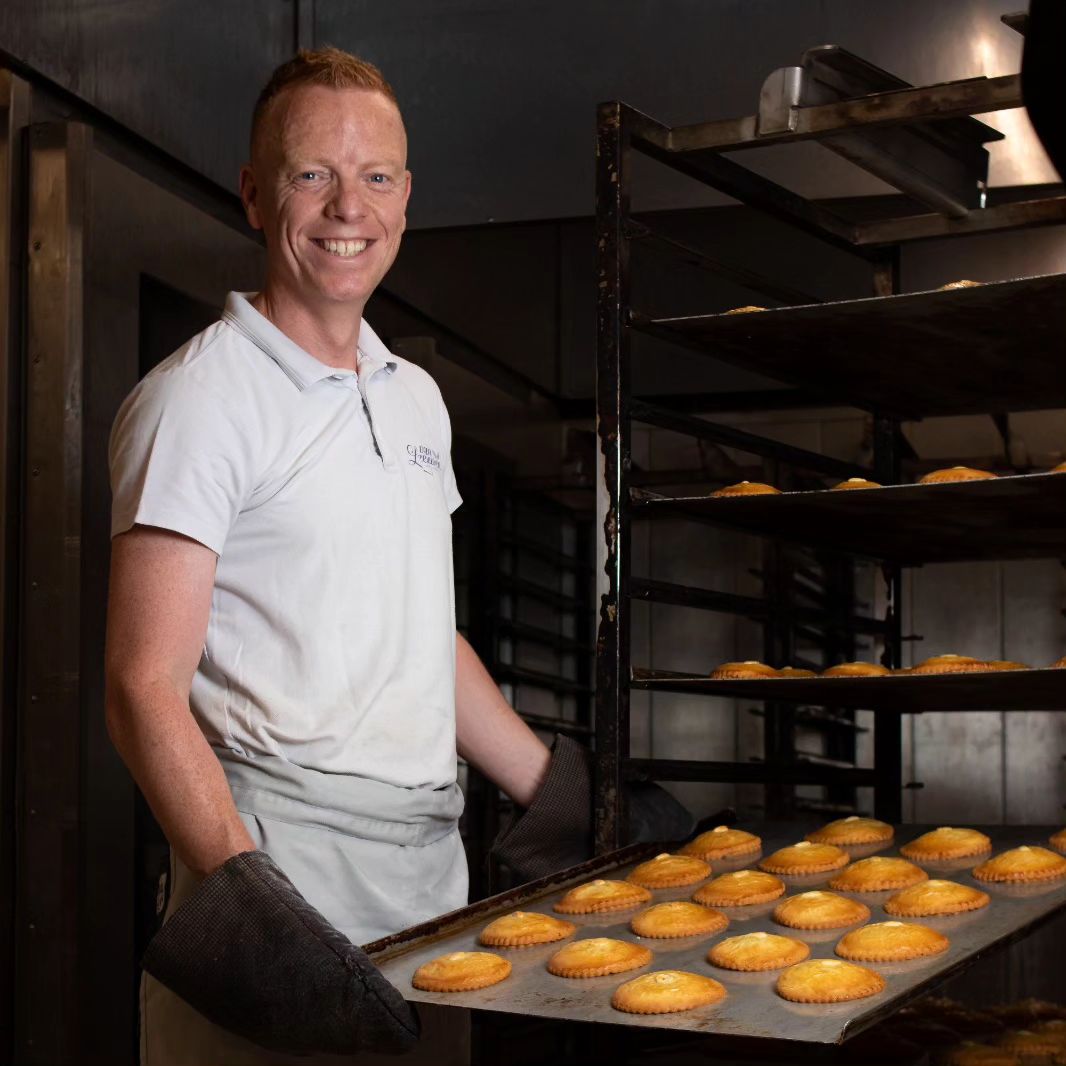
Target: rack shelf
912, 355
1008, 690
1020, 517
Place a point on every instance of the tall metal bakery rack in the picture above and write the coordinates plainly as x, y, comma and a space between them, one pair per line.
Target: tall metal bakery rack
897, 357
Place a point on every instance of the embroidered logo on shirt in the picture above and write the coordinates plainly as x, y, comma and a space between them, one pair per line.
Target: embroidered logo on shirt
425, 458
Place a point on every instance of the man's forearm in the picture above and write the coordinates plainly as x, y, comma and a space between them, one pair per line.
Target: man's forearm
490, 735
180, 776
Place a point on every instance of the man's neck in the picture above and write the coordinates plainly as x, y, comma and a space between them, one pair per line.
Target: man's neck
329, 333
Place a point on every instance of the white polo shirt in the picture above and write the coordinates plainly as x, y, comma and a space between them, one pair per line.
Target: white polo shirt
327, 496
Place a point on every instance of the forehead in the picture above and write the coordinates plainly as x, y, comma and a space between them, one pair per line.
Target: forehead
318, 120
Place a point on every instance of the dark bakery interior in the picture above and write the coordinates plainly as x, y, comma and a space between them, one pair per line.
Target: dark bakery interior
749, 319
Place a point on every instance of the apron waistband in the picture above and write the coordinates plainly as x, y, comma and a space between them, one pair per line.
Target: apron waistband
272, 787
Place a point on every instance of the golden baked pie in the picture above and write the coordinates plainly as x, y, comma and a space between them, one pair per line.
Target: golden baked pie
828, 981
757, 951
1027, 863
855, 483
740, 888
596, 957
1059, 664
955, 473
961, 284
721, 842
946, 842
877, 874
679, 918
1058, 840
891, 942
852, 830
856, 670
666, 992
820, 910
805, 858
670, 871
1005, 664
742, 671
1060, 469
745, 310
949, 664
1054, 1030
597, 896
970, 1053
1028, 1013
935, 897
794, 672
461, 971
524, 928
1033, 1044
747, 488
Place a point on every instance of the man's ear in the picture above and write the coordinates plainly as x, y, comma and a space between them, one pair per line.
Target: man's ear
406, 198
249, 197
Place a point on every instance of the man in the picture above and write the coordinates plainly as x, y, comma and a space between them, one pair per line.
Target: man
284, 676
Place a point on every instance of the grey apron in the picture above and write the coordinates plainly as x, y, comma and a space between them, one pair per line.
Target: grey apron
372, 857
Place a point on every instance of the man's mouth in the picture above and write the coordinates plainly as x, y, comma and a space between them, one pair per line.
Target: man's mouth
344, 249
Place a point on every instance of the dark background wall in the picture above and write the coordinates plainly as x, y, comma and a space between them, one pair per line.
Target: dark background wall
499, 95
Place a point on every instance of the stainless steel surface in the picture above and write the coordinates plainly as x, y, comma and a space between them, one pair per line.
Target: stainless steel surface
752, 1009
782, 119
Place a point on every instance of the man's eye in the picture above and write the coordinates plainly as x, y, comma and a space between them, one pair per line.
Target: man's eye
309, 175
379, 179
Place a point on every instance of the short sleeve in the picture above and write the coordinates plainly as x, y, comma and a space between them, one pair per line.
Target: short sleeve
451, 489
179, 460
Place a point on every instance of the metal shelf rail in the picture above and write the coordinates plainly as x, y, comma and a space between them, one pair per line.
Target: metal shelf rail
919, 140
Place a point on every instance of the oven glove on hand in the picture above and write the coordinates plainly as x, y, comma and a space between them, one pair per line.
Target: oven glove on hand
555, 832
252, 955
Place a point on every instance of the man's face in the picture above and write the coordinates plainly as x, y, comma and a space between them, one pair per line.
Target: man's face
328, 186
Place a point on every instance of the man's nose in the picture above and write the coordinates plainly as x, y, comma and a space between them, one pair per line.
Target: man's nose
348, 201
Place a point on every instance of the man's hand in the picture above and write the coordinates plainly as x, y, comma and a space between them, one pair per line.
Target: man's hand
250, 953
554, 787
158, 608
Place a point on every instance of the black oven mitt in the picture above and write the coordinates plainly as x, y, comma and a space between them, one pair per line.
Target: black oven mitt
252, 955
555, 831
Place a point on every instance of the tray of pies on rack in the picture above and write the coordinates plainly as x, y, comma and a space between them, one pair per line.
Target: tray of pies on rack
953, 514
947, 682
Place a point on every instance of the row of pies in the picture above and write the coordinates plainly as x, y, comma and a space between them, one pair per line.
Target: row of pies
962, 283
1028, 1031
751, 670
947, 475
803, 979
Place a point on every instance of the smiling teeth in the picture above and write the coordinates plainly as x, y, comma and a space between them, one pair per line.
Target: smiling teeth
343, 248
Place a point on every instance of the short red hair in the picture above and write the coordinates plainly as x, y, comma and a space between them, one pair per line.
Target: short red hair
330, 67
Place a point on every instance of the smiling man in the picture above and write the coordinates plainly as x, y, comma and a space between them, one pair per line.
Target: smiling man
285, 681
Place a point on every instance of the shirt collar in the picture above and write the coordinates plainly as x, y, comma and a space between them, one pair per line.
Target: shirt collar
301, 368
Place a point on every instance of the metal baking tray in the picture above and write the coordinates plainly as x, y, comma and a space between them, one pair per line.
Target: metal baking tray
1016, 517
913, 354
1041, 689
752, 1010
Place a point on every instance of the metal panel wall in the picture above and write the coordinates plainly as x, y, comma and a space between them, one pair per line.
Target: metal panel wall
49, 727
184, 75
14, 107
499, 97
